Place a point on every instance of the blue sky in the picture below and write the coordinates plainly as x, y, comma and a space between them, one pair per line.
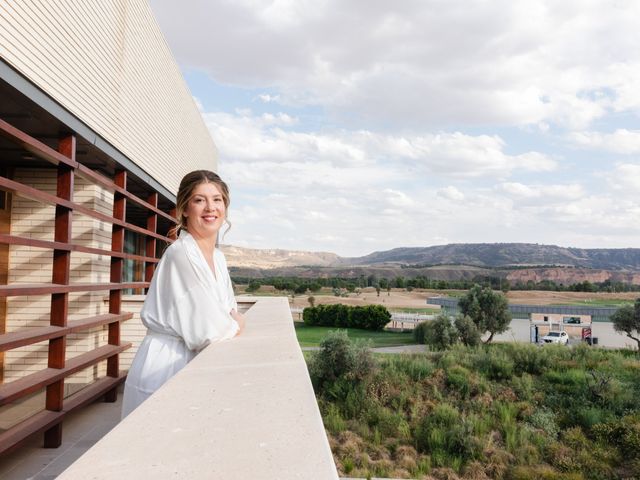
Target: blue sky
359, 126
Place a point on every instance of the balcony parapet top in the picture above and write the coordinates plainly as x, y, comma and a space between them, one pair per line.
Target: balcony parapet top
241, 409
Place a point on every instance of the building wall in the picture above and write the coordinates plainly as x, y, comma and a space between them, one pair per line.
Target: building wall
558, 318
106, 62
34, 265
555, 322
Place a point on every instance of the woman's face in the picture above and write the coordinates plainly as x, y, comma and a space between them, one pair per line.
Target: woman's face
205, 211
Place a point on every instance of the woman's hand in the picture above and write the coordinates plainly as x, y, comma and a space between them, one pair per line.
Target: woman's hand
240, 320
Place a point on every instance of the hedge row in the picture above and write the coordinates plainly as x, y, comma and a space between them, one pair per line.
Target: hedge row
368, 317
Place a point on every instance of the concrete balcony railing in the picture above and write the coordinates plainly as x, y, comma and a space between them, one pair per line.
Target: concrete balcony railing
242, 409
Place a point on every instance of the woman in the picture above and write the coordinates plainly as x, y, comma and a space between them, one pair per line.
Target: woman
190, 302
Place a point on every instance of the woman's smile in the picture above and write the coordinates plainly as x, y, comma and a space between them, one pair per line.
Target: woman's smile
205, 211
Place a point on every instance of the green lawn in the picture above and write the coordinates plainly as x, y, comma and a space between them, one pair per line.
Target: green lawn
312, 336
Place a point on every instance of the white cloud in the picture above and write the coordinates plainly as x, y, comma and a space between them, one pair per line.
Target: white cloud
245, 137
266, 98
387, 156
625, 176
415, 63
549, 193
451, 193
621, 141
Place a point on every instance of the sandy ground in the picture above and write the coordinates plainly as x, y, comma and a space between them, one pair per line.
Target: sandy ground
417, 298
535, 297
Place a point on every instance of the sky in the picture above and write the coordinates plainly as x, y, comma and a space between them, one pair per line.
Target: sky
353, 126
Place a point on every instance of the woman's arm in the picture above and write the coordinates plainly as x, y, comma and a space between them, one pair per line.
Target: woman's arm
239, 318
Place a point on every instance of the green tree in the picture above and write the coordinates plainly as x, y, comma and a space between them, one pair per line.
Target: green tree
253, 286
312, 300
489, 310
627, 320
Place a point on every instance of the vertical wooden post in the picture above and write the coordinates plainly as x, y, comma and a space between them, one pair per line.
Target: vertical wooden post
117, 265
60, 301
173, 212
150, 246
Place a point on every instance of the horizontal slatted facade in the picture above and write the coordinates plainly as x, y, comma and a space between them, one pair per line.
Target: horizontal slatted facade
67, 254
107, 63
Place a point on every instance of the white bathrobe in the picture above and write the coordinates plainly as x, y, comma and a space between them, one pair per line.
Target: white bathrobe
186, 309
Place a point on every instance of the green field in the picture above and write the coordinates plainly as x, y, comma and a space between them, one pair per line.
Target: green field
312, 336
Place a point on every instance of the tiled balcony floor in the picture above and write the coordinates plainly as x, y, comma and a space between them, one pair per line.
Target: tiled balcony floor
80, 431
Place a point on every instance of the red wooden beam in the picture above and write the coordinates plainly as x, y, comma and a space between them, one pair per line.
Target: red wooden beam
150, 247
33, 242
43, 197
20, 290
103, 181
34, 146
31, 335
117, 266
60, 275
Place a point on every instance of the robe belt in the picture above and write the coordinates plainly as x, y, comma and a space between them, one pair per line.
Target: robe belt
155, 333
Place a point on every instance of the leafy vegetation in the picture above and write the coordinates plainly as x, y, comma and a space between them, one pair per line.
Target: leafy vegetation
627, 320
487, 309
368, 317
301, 285
507, 411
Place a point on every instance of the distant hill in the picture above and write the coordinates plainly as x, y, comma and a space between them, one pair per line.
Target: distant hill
277, 258
501, 255
517, 262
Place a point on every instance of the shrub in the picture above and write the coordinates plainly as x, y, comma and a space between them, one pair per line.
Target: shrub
545, 420
440, 334
338, 358
467, 331
529, 359
458, 380
624, 433
419, 331
368, 317
495, 364
310, 316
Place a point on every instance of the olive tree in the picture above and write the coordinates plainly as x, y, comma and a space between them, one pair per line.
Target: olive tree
627, 320
489, 310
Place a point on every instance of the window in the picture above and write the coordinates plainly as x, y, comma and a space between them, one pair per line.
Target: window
571, 320
133, 270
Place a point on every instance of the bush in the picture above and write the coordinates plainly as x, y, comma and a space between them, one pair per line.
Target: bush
458, 379
339, 359
368, 317
419, 331
440, 334
467, 331
495, 364
623, 433
530, 359
545, 420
